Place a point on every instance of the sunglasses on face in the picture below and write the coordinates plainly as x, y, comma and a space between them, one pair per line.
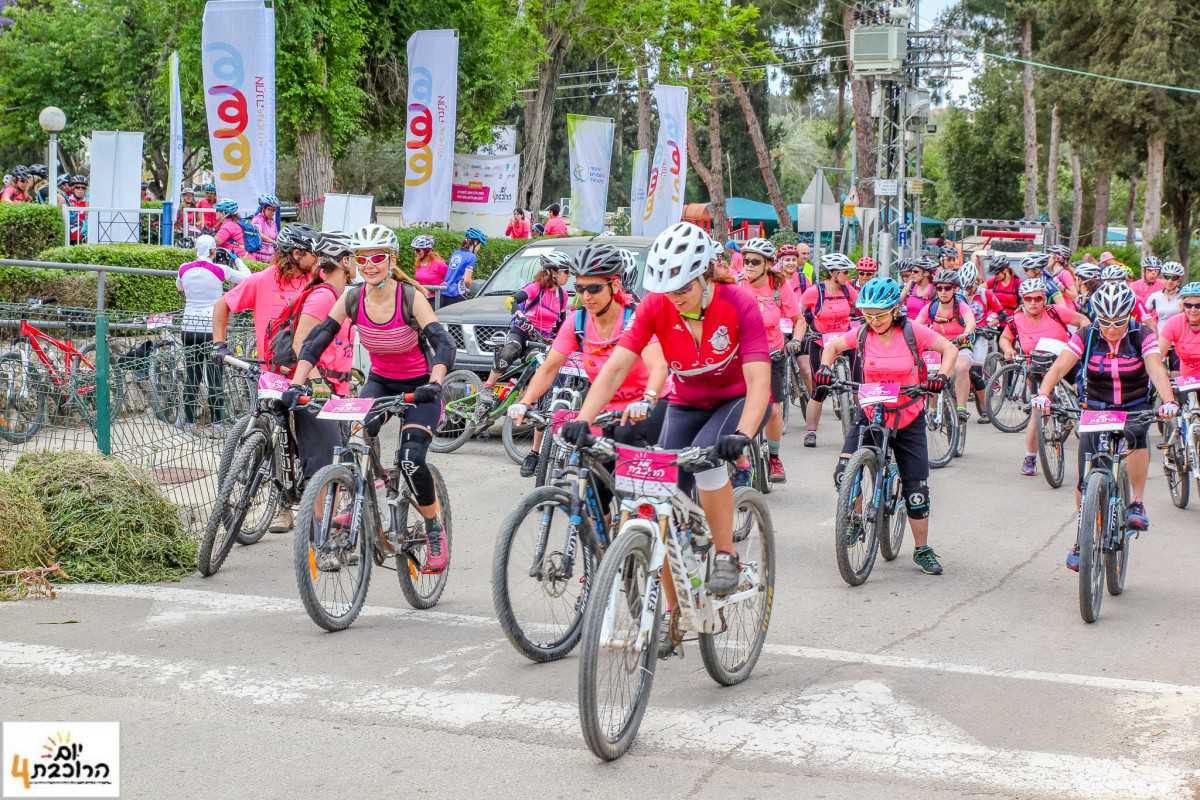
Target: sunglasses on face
378, 258
753, 262
590, 288
946, 288
1112, 323
877, 316
684, 290
1192, 306
1039, 298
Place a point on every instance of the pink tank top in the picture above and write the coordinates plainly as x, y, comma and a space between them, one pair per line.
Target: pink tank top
394, 347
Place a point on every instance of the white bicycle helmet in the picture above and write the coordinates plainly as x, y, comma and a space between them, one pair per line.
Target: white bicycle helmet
1033, 286
1173, 269
1060, 250
628, 262
968, 275
556, 259
1113, 301
1034, 261
422, 241
836, 262
1152, 262
679, 255
762, 247
1114, 272
1087, 272
374, 237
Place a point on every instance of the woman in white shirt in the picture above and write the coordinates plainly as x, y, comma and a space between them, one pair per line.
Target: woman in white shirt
203, 282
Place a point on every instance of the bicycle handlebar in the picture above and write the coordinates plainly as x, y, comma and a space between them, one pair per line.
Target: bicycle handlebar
690, 459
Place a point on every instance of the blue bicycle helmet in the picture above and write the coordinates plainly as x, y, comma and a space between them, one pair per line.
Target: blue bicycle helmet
226, 207
1190, 289
268, 200
476, 235
879, 293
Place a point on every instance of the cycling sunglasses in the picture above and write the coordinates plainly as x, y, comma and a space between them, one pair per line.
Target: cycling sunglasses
1112, 323
590, 288
1192, 306
878, 315
753, 262
1034, 298
377, 258
946, 287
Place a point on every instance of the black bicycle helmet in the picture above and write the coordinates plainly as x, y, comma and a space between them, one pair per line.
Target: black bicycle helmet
298, 237
598, 261
224, 256
39, 170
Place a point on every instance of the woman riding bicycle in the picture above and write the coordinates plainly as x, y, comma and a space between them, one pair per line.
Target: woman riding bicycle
1030, 324
713, 338
594, 330
334, 272
1121, 361
952, 316
776, 303
1004, 285
865, 270
1166, 302
229, 232
987, 312
828, 307
1060, 271
1149, 283
539, 308
892, 347
918, 292
1087, 280
411, 352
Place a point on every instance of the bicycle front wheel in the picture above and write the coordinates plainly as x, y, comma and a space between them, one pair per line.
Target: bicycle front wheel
1008, 398
244, 494
517, 439
941, 426
460, 393
1093, 527
894, 520
618, 659
1175, 468
1050, 448
855, 539
421, 587
729, 656
541, 570
332, 562
1116, 555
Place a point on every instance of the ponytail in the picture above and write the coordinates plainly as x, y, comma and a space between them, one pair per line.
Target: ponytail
402, 276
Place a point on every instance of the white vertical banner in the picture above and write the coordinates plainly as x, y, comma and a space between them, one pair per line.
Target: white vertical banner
429, 133
485, 184
668, 171
589, 145
238, 64
115, 186
175, 169
637, 192
346, 212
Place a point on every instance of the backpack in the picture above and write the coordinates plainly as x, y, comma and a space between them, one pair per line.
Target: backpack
251, 238
811, 314
581, 318
537, 298
281, 333
909, 338
958, 317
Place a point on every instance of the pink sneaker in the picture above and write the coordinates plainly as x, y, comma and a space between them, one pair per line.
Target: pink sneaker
438, 550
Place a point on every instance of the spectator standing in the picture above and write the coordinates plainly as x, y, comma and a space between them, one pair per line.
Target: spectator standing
462, 267
555, 225
208, 220
15, 192
77, 199
518, 226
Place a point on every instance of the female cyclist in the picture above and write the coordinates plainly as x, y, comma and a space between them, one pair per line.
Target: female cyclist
950, 315
714, 341
776, 302
1121, 360
866, 269
335, 270
229, 233
1149, 282
268, 230
1087, 280
987, 313
428, 267
1004, 285
398, 327
1034, 266
1034, 321
462, 267
540, 307
1164, 303
594, 329
919, 290
1180, 335
891, 352
1060, 271
828, 307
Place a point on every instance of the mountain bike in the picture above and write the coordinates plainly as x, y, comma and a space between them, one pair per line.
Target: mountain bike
870, 515
548, 549
264, 473
1103, 537
1181, 456
844, 407
1053, 430
797, 390
569, 389
1012, 387
464, 416
340, 532
622, 622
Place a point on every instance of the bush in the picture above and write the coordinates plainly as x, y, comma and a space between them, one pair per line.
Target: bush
25, 538
27, 229
1126, 254
107, 519
446, 242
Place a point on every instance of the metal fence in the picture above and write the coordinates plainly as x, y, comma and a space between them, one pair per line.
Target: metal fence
127, 385
91, 224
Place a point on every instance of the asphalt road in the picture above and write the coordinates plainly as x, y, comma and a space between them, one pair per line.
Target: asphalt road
981, 682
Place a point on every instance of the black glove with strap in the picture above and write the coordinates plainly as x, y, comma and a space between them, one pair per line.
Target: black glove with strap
577, 432
936, 382
427, 393
731, 446
823, 376
219, 351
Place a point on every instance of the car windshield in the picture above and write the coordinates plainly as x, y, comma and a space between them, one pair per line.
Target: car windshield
519, 270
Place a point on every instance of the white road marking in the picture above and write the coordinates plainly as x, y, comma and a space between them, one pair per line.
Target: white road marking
210, 603
857, 727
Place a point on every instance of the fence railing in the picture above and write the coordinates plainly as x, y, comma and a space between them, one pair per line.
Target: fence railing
97, 225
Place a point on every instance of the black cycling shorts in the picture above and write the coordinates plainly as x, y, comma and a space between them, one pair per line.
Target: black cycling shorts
1139, 436
779, 377
427, 415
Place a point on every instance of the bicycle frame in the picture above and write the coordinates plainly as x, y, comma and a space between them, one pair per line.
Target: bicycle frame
34, 338
883, 487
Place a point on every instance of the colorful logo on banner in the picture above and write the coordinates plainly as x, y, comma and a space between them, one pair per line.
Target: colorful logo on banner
233, 110
420, 128
664, 196
429, 128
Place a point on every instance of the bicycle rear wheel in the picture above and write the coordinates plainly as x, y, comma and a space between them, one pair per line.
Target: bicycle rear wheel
1175, 463
1093, 526
797, 392
422, 588
730, 656
1008, 399
1050, 448
855, 539
539, 598
615, 676
23, 392
333, 572
1116, 555
460, 392
166, 383
244, 494
941, 430
517, 439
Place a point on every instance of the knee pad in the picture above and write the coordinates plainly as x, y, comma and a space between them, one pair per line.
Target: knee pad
916, 497
977, 382
710, 480
410, 458
508, 354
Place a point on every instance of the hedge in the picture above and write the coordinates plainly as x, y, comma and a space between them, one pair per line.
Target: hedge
446, 242
27, 229
133, 293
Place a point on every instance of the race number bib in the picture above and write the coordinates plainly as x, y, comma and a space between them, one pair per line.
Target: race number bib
870, 394
646, 473
271, 386
1097, 421
350, 409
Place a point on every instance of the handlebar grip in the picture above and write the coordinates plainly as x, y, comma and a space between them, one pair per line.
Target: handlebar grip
233, 361
303, 400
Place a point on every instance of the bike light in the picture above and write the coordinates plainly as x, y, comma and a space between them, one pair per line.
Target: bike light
646, 511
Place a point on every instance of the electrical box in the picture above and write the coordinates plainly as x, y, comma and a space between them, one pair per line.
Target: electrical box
878, 50
918, 108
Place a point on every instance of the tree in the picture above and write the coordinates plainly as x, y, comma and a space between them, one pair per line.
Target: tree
983, 147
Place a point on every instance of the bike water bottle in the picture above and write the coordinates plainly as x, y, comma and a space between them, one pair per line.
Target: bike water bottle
690, 565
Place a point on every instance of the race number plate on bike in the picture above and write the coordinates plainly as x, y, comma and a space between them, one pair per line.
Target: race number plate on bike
573, 367
646, 472
156, 321
870, 394
1097, 421
1048, 345
932, 359
1187, 383
561, 417
351, 409
271, 386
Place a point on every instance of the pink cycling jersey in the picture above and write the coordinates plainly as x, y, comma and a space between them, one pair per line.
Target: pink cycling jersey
544, 306
263, 292
595, 354
1185, 341
1030, 330
394, 346
836, 308
947, 322
1143, 290
339, 356
231, 235
917, 299
431, 273
892, 362
774, 310
709, 373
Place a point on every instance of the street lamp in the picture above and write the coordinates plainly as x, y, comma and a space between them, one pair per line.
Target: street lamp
52, 120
